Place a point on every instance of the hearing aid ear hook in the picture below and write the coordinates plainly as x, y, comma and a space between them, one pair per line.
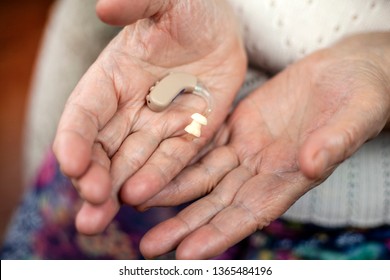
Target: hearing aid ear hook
164, 91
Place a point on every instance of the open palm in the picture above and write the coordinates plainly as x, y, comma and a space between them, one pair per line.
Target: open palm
108, 140
281, 141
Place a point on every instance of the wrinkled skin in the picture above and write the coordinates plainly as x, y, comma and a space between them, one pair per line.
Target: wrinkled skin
108, 142
280, 142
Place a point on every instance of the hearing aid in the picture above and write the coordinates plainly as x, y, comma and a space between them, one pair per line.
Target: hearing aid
162, 94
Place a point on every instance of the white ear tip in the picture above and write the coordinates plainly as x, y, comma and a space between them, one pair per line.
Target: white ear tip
199, 118
193, 129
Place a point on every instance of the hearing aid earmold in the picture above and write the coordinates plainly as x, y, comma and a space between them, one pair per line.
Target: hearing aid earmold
164, 92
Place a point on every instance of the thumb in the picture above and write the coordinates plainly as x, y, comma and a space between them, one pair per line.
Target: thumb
338, 139
125, 12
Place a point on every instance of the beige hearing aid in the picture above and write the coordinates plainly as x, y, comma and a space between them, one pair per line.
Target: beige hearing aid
164, 92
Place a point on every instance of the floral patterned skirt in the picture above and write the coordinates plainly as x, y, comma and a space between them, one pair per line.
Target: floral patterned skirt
43, 228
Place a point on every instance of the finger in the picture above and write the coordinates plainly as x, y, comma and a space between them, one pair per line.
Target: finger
95, 185
116, 130
93, 219
72, 146
167, 235
259, 201
196, 180
90, 106
131, 156
340, 137
229, 227
166, 162
125, 12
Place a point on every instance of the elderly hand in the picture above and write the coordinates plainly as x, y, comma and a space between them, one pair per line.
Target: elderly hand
281, 141
107, 139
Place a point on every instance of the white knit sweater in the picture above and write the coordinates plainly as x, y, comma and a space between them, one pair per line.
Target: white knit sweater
279, 32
